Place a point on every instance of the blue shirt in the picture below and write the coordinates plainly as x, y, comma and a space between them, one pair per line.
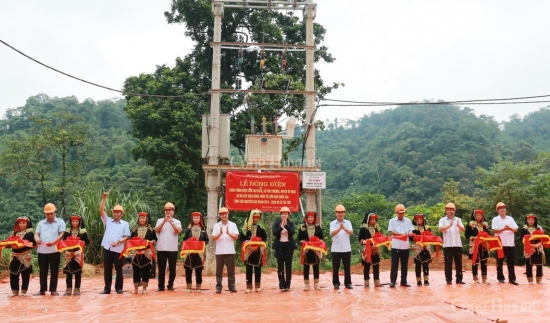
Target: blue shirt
114, 231
48, 233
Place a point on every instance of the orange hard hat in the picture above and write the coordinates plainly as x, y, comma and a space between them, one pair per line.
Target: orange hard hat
169, 206
284, 209
499, 205
223, 210
400, 208
50, 207
450, 206
340, 208
118, 208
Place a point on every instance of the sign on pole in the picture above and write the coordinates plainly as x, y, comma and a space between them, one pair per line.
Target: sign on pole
315, 180
267, 191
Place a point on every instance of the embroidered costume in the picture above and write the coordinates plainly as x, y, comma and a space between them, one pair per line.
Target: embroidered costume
21, 242
310, 235
478, 224
371, 253
193, 251
253, 250
71, 246
534, 240
141, 243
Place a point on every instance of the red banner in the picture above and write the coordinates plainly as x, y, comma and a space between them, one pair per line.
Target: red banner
267, 192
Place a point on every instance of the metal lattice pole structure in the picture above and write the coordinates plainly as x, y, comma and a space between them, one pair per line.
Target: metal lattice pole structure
213, 170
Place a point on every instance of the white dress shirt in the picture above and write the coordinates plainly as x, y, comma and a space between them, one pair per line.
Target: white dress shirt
340, 241
400, 226
225, 245
167, 239
507, 236
451, 236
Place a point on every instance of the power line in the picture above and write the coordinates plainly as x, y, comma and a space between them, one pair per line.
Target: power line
95, 84
427, 103
442, 102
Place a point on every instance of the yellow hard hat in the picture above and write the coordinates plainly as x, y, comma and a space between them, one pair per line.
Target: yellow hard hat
450, 206
169, 206
284, 209
223, 210
340, 208
118, 208
500, 204
50, 207
399, 208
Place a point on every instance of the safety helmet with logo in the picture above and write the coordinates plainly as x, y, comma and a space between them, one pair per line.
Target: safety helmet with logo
118, 208
400, 208
450, 206
499, 205
340, 208
284, 209
50, 207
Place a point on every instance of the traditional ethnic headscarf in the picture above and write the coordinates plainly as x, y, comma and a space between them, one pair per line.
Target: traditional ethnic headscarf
201, 223
531, 216
250, 221
476, 212
419, 215
22, 219
80, 221
147, 221
367, 218
315, 218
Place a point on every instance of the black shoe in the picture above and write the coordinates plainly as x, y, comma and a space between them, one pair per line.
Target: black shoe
218, 290
426, 283
348, 286
405, 285
449, 283
501, 281
392, 285
43, 293
336, 286
232, 290
160, 289
170, 288
105, 291
513, 282
460, 283
419, 283
119, 291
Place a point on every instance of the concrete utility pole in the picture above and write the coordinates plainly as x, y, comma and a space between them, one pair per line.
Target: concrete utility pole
213, 175
309, 16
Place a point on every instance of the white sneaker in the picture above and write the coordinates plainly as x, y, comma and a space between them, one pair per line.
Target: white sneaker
247, 291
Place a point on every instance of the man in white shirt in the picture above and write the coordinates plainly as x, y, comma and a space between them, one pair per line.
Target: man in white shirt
400, 229
451, 227
225, 233
341, 230
167, 229
504, 227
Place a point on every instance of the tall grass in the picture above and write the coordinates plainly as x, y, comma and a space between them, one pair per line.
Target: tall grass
87, 201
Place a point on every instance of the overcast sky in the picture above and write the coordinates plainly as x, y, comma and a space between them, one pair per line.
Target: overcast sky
398, 51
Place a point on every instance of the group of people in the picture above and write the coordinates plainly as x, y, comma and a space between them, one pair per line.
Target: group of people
146, 243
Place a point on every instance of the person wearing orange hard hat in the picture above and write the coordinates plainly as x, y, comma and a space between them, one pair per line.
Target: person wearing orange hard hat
224, 234
167, 229
284, 245
504, 226
117, 231
400, 229
48, 232
341, 230
451, 227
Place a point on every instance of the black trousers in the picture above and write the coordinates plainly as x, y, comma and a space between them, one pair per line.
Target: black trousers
510, 255
315, 271
399, 257
421, 268
25, 278
189, 274
162, 257
375, 271
529, 269
257, 274
345, 258
141, 274
77, 279
49, 261
229, 262
483, 264
284, 264
453, 254
110, 259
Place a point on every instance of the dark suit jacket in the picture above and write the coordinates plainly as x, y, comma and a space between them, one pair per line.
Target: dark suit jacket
276, 229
